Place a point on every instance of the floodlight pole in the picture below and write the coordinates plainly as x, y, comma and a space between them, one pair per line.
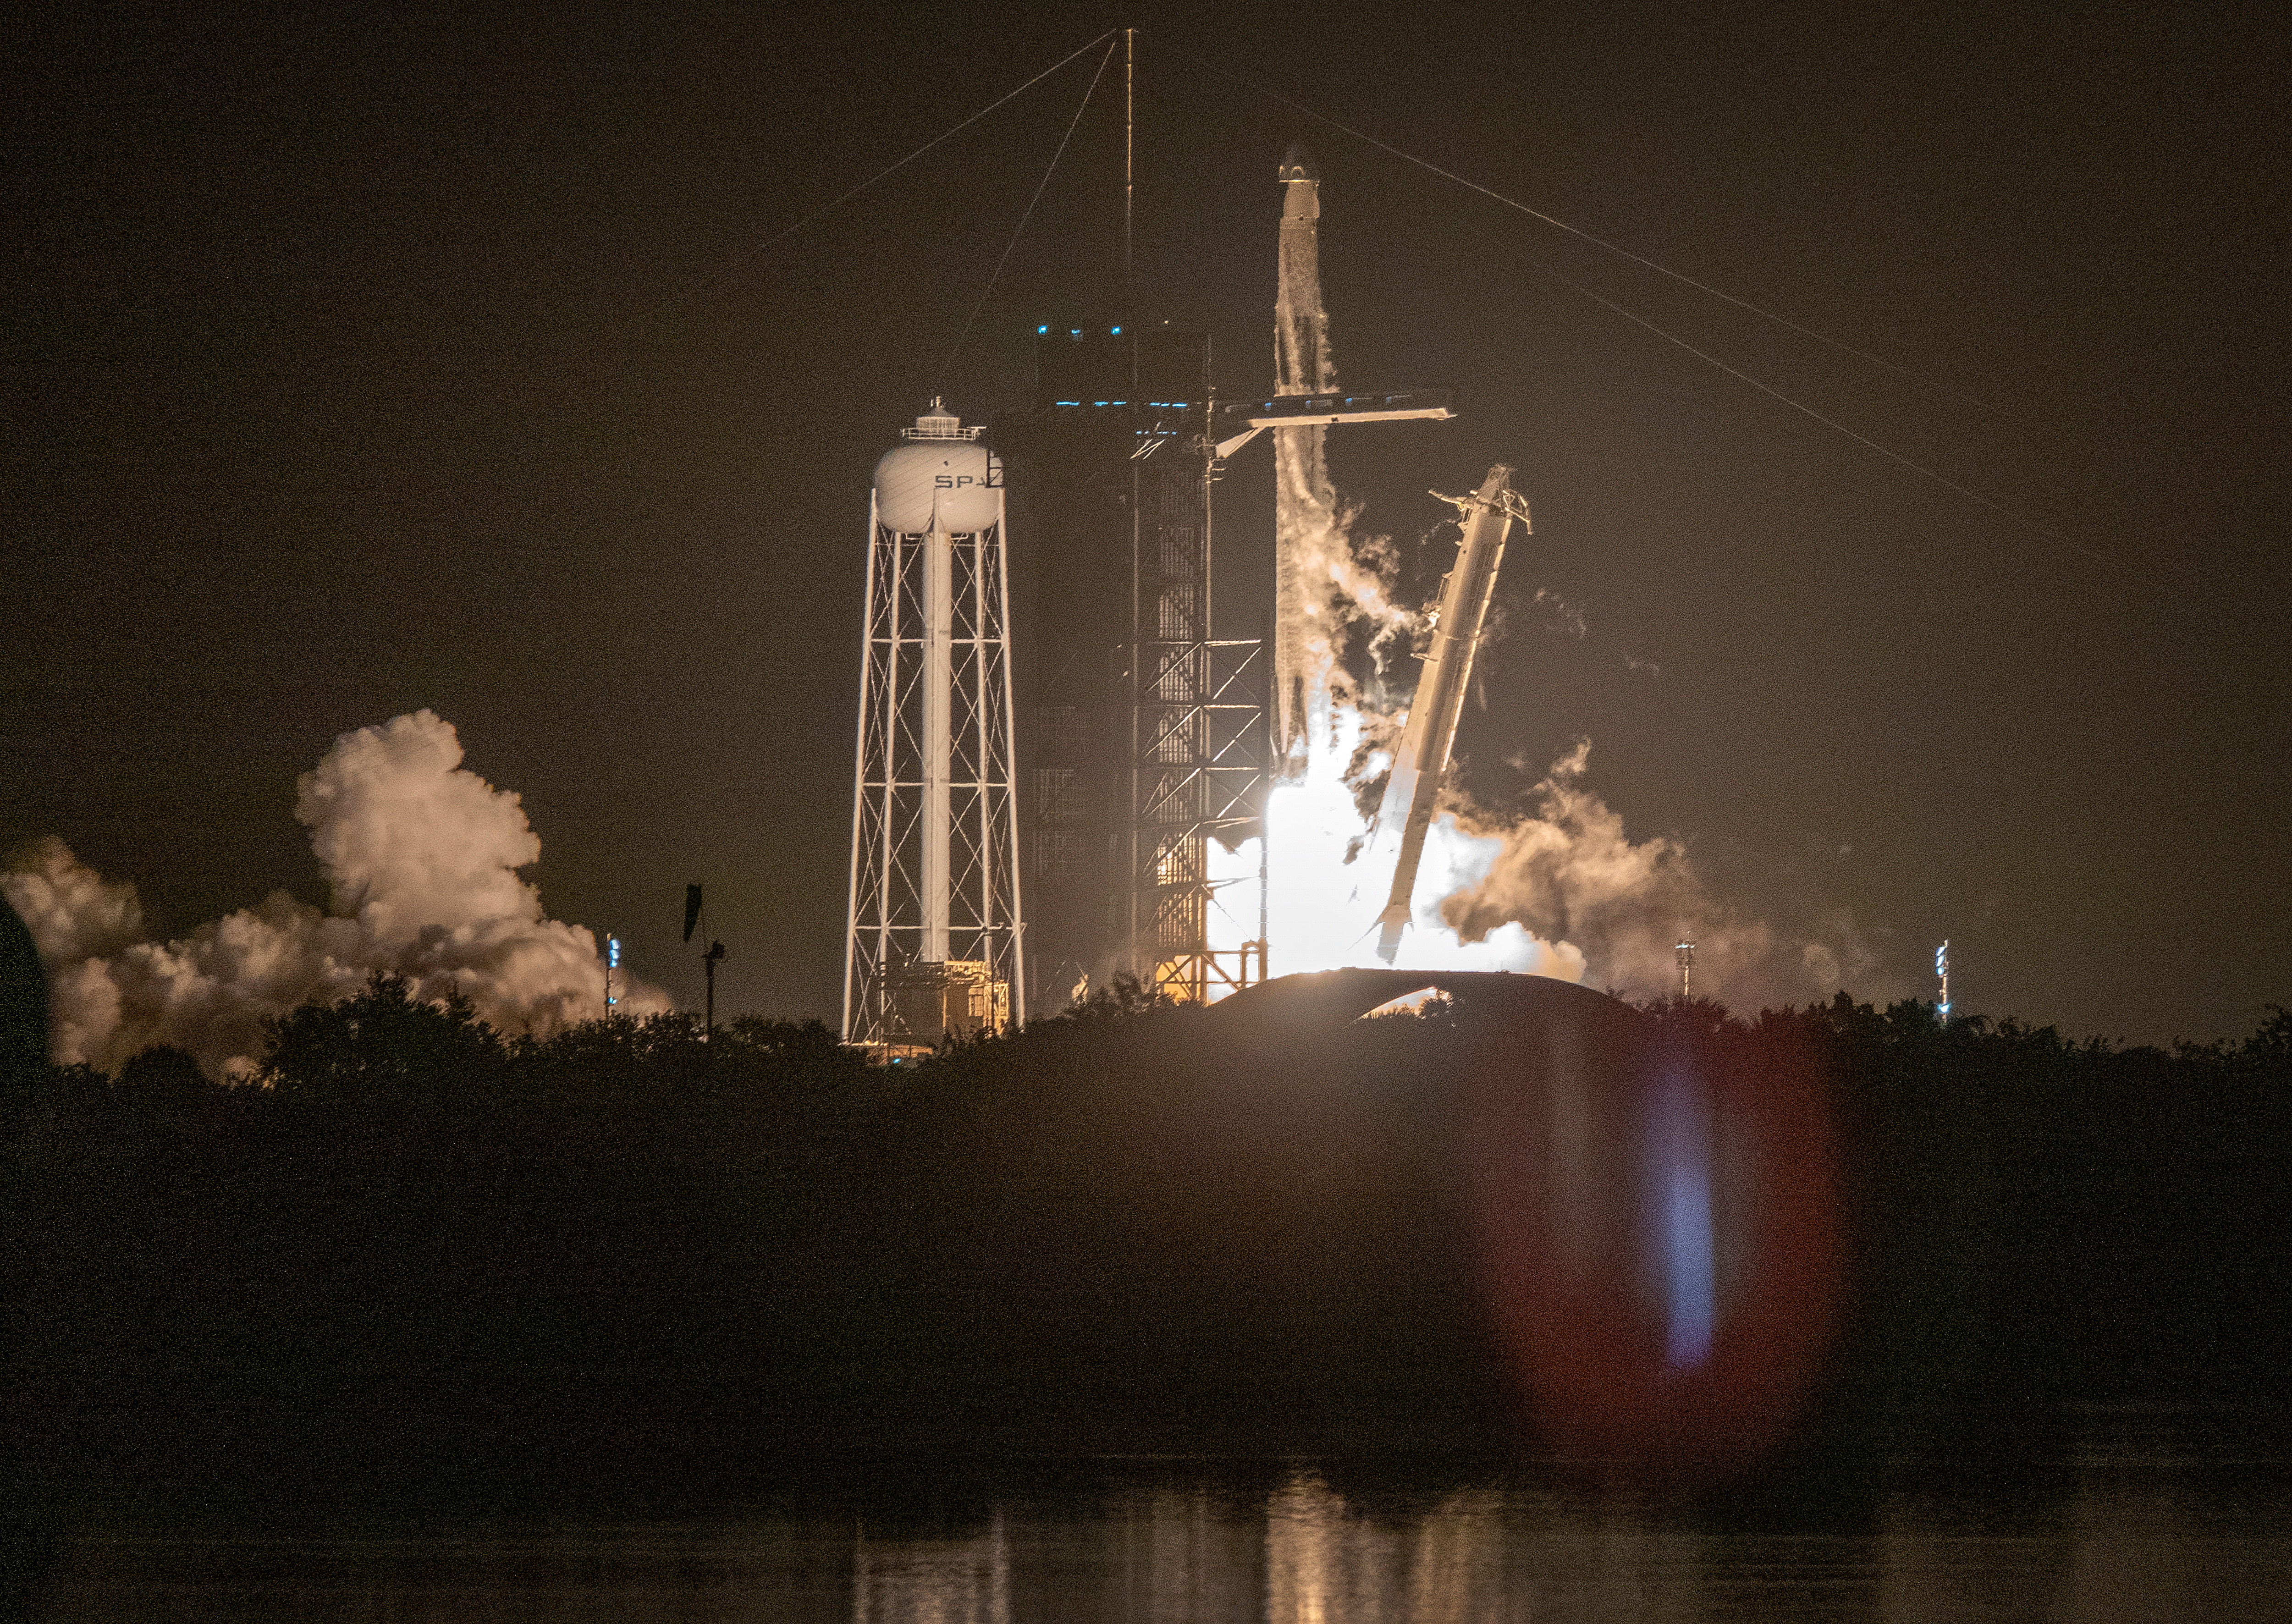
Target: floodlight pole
710, 960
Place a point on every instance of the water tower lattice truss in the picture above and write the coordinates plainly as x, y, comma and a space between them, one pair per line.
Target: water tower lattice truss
934, 937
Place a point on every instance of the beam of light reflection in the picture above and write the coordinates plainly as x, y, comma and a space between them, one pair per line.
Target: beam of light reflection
1326, 1562
932, 1581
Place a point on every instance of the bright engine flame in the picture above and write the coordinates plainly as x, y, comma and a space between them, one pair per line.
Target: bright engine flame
1326, 879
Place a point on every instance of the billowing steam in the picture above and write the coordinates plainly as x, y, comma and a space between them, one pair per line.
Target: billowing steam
1561, 891
421, 859
1569, 874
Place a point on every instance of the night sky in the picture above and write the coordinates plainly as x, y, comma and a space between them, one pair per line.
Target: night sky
372, 358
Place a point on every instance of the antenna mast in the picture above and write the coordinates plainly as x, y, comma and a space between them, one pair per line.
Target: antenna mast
1129, 145
1942, 969
1686, 953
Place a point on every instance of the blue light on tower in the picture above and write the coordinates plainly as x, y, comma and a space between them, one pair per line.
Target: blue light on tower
1942, 969
612, 963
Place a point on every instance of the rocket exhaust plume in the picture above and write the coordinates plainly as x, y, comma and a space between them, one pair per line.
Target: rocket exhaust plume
421, 858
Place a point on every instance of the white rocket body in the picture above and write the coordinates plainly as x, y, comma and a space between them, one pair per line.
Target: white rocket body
1304, 501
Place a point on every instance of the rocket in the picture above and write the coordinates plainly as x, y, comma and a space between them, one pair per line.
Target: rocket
1422, 759
1304, 503
1301, 331
1309, 610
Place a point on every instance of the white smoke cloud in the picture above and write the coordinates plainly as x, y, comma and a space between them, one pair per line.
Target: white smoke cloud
421, 859
1567, 873
74, 912
1561, 891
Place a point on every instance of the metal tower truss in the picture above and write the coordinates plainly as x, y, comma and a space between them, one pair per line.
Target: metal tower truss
934, 942
1199, 766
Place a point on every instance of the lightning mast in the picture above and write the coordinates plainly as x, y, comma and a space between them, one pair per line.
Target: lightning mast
1942, 969
1418, 765
1685, 952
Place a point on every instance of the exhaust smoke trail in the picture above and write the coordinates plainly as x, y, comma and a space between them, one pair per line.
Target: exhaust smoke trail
421, 858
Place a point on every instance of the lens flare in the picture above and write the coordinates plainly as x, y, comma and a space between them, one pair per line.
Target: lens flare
1661, 1239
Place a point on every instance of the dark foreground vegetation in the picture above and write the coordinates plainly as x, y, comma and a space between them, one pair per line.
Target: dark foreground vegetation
414, 1247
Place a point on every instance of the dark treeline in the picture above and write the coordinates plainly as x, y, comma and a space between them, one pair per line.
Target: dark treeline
411, 1243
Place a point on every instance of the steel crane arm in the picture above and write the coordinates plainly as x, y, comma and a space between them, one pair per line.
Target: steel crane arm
1302, 411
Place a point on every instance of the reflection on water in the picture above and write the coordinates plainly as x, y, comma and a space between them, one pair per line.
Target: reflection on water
2122, 1539
931, 1581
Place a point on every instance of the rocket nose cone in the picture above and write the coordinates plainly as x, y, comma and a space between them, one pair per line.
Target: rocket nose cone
1297, 164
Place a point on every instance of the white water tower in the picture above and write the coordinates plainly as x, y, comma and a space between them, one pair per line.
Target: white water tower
933, 928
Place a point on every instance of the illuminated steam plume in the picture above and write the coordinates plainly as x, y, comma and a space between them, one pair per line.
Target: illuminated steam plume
421, 858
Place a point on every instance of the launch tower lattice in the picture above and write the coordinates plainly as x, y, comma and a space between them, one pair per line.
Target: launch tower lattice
1197, 720
933, 928
1144, 735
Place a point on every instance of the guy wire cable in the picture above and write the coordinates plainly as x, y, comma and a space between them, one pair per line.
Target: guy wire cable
2000, 508
738, 260
1933, 384
1028, 213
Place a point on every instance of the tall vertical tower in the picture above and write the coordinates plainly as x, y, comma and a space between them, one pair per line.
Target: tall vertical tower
1142, 733
932, 929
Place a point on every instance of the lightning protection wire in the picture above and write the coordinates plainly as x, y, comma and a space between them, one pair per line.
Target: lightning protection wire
1769, 390
941, 139
1681, 277
1028, 213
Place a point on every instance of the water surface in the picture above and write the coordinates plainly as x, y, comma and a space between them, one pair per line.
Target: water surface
2120, 1529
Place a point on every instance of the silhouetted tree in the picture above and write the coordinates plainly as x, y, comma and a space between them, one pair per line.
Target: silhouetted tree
381, 1046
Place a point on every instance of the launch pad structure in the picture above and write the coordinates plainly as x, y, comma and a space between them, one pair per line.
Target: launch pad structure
1091, 736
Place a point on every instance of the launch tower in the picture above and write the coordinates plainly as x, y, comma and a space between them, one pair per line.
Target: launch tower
1143, 732
934, 947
